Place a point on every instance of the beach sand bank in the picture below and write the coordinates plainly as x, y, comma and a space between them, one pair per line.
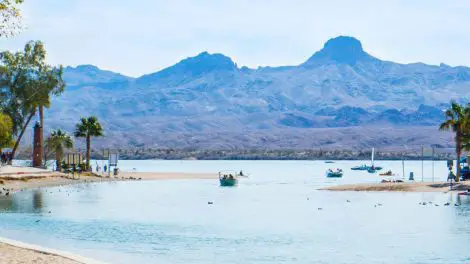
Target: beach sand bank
401, 187
16, 255
15, 252
14, 179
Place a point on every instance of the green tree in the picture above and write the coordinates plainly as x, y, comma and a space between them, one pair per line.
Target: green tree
27, 84
58, 142
6, 131
457, 121
10, 17
88, 128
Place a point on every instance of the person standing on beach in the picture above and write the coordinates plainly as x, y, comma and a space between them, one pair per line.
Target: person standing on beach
105, 168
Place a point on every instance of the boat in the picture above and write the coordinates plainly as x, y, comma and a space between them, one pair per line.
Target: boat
372, 168
388, 173
228, 180
391, 181
338, 173
361, 168
242, 175
329, 161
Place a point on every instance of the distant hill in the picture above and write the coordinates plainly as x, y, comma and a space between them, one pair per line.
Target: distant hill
208, 101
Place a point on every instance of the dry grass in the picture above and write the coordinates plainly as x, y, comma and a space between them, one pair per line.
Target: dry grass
25, 178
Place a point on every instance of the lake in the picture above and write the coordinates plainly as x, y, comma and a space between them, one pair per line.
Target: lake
275, 216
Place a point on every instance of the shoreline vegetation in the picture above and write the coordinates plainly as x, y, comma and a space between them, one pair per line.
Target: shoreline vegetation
259, 154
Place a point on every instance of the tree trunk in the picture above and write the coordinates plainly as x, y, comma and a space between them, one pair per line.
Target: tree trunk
88, 152
41, 121
458, 150
57, 160
17, 143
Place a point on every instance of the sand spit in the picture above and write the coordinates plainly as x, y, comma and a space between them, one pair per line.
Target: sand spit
14, 179
401, 187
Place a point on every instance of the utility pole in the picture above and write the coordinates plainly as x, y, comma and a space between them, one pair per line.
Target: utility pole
422, 163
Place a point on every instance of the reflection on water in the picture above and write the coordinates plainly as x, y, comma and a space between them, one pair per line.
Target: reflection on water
24, 202
6, 203
37, 200
272, 217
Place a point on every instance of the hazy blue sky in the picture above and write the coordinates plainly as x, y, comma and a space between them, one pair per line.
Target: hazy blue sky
142, 36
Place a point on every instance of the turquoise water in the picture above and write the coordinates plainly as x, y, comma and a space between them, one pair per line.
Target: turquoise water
272, 217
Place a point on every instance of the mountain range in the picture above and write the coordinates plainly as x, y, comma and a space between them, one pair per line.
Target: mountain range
339, 97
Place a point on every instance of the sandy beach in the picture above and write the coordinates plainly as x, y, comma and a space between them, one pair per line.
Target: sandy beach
16, 255
13, 179
401, 187
15, 252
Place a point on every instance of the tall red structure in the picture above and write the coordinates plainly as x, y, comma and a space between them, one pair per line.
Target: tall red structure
37, 146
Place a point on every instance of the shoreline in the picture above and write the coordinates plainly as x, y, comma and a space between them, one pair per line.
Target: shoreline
13, 251
12, 182
443, 187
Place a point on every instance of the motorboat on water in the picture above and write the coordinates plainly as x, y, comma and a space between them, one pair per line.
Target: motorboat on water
338, 173
228, 180
360, 168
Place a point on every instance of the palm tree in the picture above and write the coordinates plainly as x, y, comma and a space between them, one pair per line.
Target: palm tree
49, 83
58, 141
87, 128
457, 121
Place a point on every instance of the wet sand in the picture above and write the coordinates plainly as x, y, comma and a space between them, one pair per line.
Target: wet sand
401, 187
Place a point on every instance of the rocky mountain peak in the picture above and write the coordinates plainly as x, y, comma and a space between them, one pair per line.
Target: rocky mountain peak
342, 49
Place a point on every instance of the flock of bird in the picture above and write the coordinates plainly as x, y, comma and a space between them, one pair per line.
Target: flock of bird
5, 191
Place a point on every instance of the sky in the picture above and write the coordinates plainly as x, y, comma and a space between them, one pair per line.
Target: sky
140, 37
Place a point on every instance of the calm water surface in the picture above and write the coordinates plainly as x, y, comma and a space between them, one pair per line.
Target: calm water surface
272, 217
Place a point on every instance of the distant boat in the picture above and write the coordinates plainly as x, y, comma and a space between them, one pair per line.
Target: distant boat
372, 168
334, 174
329, 161
228, 180
362, 167
388, 173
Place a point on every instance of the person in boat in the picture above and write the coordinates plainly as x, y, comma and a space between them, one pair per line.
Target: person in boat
231, 177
